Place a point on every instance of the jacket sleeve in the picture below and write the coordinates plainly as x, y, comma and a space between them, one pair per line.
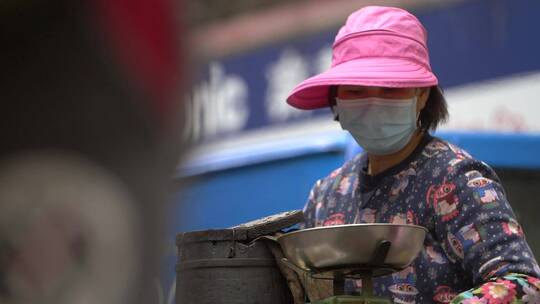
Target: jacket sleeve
510, 288
310, 208
479, 232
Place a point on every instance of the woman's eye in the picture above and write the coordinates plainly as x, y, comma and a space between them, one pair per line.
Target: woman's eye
398, 92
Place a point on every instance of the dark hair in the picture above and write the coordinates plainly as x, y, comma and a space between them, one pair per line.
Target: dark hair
434, 112
332, 94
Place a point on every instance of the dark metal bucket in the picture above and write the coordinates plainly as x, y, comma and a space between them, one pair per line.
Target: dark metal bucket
221, 266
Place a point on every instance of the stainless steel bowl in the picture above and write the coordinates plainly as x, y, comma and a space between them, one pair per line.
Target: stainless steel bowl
349, 246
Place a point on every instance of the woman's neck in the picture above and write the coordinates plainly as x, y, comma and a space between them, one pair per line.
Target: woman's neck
379, 163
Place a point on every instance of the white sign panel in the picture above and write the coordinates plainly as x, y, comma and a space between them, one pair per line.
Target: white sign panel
504, 105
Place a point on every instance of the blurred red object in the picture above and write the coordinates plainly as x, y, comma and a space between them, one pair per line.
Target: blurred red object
145, 37
90, 124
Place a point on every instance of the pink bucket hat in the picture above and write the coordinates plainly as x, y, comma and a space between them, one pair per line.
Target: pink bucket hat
377, 46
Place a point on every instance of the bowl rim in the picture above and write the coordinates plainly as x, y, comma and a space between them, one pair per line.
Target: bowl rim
307, 230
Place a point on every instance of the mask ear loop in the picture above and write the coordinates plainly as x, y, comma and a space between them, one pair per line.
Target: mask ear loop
332, 94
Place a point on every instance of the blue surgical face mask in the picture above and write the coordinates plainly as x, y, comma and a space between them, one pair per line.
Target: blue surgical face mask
379, 126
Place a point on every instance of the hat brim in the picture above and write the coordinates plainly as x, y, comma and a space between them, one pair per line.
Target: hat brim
312, 93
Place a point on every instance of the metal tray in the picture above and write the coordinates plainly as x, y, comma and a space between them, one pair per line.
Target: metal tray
355, 247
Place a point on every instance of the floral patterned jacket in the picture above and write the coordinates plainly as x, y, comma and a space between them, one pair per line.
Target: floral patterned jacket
475, 251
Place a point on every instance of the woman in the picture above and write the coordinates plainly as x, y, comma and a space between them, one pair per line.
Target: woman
382, 90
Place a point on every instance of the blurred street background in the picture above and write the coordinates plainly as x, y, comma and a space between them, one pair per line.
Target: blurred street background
127, 122
255, 155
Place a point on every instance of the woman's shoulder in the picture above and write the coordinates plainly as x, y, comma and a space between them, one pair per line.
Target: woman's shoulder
441, 153
440, 148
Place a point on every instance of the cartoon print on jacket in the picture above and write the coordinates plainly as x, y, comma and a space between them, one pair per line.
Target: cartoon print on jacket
403, 218
444, 294
345, 185
403, 289
366, 215
458, 152
445, 201
402, 181
460, 155
463, 239
484, 191
411, 218
434, 256
512, 227
399, 218
335, 219
433, 148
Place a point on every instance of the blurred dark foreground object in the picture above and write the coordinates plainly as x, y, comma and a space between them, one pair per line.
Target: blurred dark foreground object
90, 134
234, 265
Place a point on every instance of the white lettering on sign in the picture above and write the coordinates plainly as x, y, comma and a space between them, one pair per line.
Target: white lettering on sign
323, 59
217, 106
282, 76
